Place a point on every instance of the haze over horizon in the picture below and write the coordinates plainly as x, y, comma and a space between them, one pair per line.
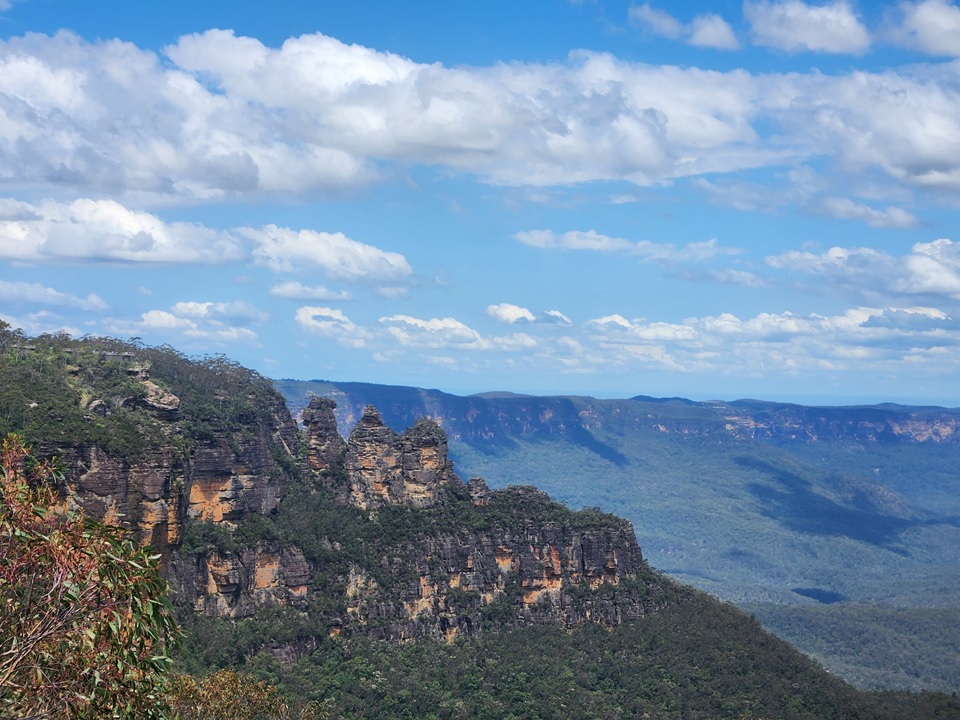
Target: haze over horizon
706, 200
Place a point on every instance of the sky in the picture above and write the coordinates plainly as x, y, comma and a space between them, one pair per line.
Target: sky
708, 200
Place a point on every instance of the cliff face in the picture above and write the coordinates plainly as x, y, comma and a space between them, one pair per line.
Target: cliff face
384, 468
373, 534
178, 466
533, 575
439, 558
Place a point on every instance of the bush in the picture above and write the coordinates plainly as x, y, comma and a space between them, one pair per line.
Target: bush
85, 621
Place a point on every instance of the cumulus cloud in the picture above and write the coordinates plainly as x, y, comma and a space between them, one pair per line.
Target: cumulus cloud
337, 255
708, 30
298, 291
555, 316
514, 314
333, 324
450, 334
775, 343
929, 269
930, 26
237, 311
37, 294
510, 314
207, 321
659, 21
712, 31
796, 26
226, 117
104, 230
433, 333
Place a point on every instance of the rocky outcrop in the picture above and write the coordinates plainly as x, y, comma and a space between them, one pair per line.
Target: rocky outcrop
325, 446
148, 496
473, 559
237, 584
381, 467
465, 581
178, 474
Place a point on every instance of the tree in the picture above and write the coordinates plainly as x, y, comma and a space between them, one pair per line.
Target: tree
230, 695
85, 620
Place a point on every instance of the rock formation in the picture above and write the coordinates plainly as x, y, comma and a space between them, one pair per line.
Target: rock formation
375, 534
218, 476
381, 466
507, 566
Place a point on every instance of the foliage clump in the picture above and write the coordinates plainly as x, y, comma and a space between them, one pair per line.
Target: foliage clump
85, 621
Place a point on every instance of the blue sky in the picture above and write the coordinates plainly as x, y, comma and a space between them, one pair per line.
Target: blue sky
712, 200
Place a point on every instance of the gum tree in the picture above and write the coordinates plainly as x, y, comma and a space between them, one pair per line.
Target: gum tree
85, 620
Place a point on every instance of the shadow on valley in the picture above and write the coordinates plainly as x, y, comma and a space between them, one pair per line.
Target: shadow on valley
796, 505
824, 597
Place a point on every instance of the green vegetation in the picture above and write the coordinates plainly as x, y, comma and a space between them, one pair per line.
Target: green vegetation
59, 392
694, 658
874, 647
85, 621
697, 659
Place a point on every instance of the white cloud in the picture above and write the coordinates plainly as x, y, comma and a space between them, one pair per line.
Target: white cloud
333, 324
743, 278
40, 322
659, 21
226, 117
433, 333
929, 269
337, 255
237, 311
614, 321
644, 249
206, 321
931, 26
772, 344
37, 294
712, 31
513, 314
707, 30
796, 26
507, 313
572, 240
297, 291
555, 316
106, 231
932, 268
847, 209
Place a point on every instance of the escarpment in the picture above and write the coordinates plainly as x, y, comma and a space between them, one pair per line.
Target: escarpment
384, 536
373, 534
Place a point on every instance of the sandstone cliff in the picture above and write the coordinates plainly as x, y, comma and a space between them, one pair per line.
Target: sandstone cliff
374, 534
149, 438
425, 554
